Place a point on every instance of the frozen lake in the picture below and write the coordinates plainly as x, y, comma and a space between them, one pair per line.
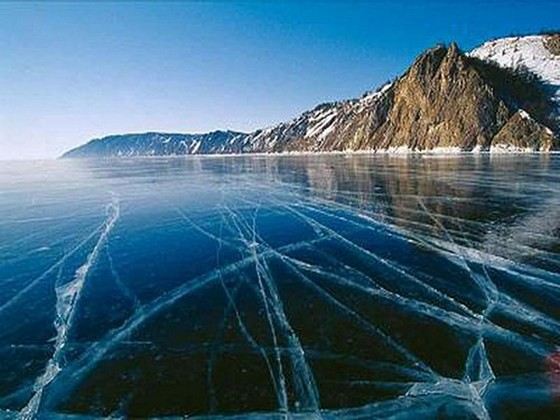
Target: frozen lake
319, 286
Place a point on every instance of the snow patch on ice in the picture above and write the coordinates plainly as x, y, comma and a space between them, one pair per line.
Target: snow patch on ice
508, 148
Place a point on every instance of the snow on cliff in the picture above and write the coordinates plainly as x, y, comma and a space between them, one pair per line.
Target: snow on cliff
526, 51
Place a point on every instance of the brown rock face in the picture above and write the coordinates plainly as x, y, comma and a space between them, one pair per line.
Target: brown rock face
445, 99
523, 132
552, 43
441, 102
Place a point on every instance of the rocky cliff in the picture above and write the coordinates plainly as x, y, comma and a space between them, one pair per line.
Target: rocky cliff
447, 100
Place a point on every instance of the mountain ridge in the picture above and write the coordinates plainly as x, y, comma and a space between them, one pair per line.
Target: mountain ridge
446, 100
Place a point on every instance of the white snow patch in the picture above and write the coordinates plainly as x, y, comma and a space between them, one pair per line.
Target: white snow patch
444, 150
508, 148
327, 131
320, 122
376, 94
524, 114
526, 51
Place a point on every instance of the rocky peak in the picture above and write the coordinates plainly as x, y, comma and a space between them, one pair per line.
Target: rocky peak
523, 133
552, 43
441, 102
447, 100
428, 63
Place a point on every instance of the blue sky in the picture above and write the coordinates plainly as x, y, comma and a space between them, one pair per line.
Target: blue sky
71, 72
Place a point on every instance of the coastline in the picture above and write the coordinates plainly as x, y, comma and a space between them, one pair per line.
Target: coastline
396, 152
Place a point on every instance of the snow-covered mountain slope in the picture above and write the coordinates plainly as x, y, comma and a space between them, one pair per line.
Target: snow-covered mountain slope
540, 54
327, 127
446, 100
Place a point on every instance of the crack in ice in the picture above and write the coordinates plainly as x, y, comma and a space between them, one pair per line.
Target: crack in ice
67, 299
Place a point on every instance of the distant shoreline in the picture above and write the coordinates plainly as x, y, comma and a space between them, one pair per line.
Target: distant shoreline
385, 152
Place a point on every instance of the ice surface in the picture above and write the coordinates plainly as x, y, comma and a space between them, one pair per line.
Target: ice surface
67, 299
274, 287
